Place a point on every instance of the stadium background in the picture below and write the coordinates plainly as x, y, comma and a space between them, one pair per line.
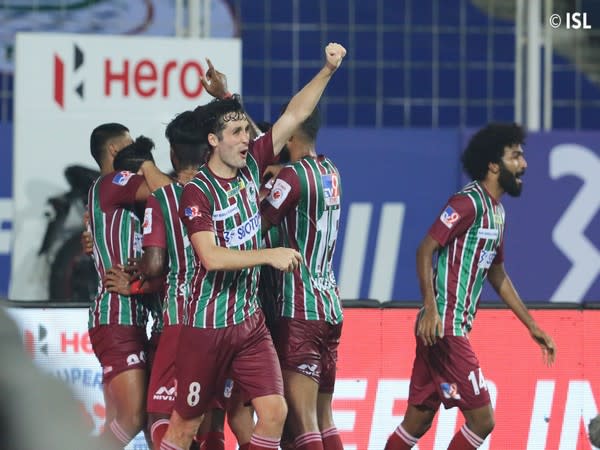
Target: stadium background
420, 75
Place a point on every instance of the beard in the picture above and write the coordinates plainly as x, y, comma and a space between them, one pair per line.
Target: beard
508, 181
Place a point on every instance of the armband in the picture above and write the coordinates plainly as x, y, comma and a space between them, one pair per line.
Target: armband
135, 288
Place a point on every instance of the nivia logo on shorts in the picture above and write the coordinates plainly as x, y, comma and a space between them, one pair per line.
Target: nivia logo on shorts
165, 393
310, 370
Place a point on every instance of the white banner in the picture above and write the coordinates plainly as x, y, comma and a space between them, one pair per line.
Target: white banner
65, 85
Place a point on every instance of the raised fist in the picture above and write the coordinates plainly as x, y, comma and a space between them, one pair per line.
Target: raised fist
334, 53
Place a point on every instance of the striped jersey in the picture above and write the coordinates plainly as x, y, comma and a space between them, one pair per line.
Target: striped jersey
470, 230
305, 203
229, 209
117, 237
163, 228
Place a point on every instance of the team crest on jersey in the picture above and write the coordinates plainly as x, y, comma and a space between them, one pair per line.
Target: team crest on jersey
147, 221
449, 217
251, 191
331, 189
122, 178
192, 212
279, 193
450, 390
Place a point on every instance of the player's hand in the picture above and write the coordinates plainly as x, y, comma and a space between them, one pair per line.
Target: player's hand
334, 53
285, 259
429, 328
117, 280
271, 172
87, 242
214, 82
547, 345
133, 269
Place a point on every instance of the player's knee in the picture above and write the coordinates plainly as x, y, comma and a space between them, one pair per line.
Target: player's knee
274, 413
484, 426
132, 422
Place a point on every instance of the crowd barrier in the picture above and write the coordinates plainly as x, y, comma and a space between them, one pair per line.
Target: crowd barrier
536, 407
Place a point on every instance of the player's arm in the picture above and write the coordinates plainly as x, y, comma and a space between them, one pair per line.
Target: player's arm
304, 102
503, 285
120, 281
454, 220
430, 324
154, 262
214, 257
154, 178
215, 83
283, 196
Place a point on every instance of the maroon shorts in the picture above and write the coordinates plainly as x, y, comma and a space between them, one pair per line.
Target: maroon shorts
449, 373
309, 347
119, 348
207, 357
161, 387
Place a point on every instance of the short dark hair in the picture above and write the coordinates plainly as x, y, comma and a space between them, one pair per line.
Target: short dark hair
487, 146
311, 125
100, 137
213, 116
186, 137
132, 156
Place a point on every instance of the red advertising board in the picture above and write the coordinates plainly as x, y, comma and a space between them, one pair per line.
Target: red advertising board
537, 408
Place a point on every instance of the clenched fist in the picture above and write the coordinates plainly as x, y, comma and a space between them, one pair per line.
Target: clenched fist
334, 53
285, 259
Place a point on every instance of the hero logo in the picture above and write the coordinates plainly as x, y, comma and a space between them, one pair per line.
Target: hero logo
59, 76
125, 78
36, 343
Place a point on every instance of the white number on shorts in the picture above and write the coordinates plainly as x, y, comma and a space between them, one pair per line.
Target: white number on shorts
477, 386
194, 396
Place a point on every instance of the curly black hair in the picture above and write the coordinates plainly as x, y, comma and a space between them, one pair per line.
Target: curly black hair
487, 146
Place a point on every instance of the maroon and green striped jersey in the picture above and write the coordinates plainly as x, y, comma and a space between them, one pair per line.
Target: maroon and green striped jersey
305, 203
470, 230
229, 209
163, 228
117, 237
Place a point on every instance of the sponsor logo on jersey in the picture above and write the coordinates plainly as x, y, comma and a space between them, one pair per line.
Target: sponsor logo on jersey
450, 390
222, 214
449, 217
147, 221
228, 388
138, 240
191, 212
487, 233
122, 178
331, 189
242, 233
236, 187
279, 193
486, 258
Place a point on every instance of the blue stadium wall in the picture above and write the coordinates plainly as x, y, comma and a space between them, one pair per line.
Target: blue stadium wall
395, 184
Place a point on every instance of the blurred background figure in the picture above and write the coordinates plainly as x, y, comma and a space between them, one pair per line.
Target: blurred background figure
38, 411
